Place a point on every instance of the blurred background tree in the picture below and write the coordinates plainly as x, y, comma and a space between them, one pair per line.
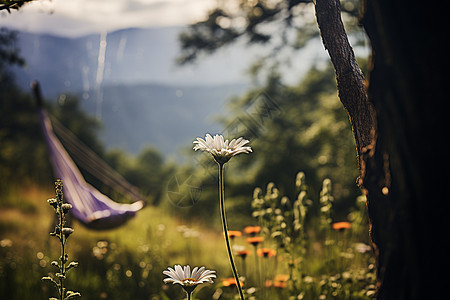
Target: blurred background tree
309, 130
23, 155
405, 169
275, 24
12, 4
22, 147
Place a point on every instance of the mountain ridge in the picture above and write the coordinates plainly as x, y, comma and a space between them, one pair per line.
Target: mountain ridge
133, 55
115, 73
168, 117
139, 75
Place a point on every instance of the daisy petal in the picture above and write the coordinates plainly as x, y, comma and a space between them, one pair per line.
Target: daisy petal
187, 278
187, 271
180, 272
221, 149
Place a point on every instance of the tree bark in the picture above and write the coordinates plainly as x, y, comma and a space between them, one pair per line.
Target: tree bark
404, 165
407, 87
349, 77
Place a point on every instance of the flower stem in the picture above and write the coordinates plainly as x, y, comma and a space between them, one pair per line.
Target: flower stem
225, 230
63, 252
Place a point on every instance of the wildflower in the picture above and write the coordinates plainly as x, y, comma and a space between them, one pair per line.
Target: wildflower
280, 280
230, 282
266, 252
243, 253
62, 233
53, 202
341, 225
252, 230
255, 240
308, 279
362, 248
234, 233
67, 231
222, 150
6, 243
187, 279
66, 207
279, 284
73, 264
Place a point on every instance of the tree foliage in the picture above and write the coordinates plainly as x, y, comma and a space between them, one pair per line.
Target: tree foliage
24, 156
255, 20
303, 128
9, 54
22, 146
148, 171
12, 4
297, 137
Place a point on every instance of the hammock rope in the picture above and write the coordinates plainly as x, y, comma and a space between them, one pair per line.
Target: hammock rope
92, 208
92, 163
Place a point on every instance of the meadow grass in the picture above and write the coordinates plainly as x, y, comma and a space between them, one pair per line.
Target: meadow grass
127, 263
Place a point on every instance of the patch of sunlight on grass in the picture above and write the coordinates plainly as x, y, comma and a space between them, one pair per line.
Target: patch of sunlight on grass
29, 216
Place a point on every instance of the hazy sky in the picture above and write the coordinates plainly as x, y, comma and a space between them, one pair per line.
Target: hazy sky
78, 17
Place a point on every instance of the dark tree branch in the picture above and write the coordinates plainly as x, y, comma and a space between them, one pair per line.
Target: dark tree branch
12, 4
350, 80
207, 36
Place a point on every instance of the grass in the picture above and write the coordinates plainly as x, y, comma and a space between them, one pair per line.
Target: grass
127, 263
114, 264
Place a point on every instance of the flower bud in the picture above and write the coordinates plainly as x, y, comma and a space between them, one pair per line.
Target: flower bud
67, 231
73, 264
66, 207
72, 294
53, 202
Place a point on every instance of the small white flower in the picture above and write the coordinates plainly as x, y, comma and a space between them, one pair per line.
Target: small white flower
189, 280
222, 150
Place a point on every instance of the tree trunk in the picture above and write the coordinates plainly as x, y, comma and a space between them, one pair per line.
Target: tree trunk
407, 174
404, 166
350, 80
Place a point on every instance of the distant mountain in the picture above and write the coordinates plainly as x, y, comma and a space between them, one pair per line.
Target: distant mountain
167, 117
130, 80
126, 56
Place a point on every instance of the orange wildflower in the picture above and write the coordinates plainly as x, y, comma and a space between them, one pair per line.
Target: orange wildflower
282, 277
230, 282
234, 233
341, 225
266, 252
243, 253
252, 230
279, 284
255, 240
280, 281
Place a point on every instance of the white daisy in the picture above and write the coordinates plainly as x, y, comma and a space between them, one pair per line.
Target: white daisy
222, 150
187, 279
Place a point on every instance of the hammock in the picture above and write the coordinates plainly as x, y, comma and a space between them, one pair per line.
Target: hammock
92, 208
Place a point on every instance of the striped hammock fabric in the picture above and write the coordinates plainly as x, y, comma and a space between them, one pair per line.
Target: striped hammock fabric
90, 207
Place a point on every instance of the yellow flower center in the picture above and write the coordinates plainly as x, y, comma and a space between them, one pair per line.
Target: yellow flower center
189, 280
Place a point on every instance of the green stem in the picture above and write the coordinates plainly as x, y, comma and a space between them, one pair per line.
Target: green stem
61, 269
225, 230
